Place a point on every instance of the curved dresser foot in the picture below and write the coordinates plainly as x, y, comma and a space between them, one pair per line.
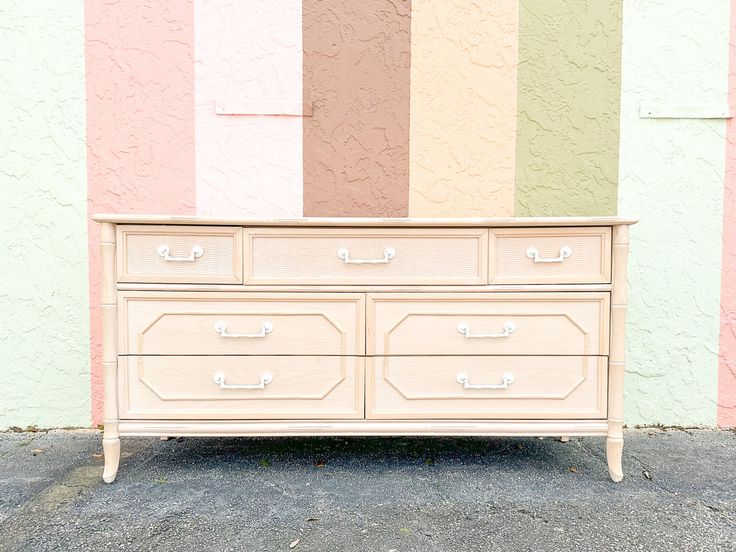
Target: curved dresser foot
614, 453
111, 448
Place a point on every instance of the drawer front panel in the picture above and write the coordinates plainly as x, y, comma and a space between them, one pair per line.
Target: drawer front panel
366, 256
525, 387
191, 255
488, 324
231, 387
209, 323
550, 255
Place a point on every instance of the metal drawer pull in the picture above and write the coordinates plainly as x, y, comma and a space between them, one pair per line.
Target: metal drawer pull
464, 380
221, 328
219, 379
533, 254
508, 329
197, 251
388, 254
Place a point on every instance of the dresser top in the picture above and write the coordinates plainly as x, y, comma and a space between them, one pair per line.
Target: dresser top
369, 222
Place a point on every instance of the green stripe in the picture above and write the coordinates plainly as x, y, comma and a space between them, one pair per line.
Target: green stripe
568, 107
44, 348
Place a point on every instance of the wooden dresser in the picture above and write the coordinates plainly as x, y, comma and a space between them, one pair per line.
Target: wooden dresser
507, 326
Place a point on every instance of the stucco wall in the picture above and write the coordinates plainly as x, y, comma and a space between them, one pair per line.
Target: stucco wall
569, 71
675, 52
44, 329
420, 108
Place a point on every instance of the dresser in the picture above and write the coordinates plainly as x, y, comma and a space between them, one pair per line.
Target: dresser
352, 326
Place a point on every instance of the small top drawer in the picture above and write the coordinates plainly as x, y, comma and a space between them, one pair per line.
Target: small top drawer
190, 255
550, 255
369, 256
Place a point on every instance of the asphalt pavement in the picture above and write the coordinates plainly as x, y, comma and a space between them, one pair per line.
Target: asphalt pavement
368, 494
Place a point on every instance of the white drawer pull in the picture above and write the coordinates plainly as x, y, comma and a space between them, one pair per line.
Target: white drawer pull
533, 254
221, 328
508, 329
197, 251
388, 254
219, 379
464, 380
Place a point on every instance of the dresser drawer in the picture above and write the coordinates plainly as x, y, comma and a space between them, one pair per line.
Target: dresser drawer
572, 323
210, 323
525, 387
550, 255
367, 256
191, 255
237, 387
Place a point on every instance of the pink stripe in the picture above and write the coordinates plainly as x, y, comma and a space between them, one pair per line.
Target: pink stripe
727, 362
140, 123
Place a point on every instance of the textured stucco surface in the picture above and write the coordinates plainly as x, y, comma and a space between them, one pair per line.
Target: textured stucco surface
356, 74
44, 327
463, 108
140, 123
727, 345
674, 52
248, 165
568, 107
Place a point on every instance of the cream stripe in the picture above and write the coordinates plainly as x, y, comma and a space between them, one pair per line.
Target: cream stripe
463, 108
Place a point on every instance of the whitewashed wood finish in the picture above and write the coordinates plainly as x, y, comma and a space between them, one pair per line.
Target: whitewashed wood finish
280, 256
183, 323
616, 361
367, 222
589, 263
172, 392
232, 428
543, 388
545, 323
182, 387
139, 260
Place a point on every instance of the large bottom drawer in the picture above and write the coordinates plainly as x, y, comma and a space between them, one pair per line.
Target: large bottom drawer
499, 387
240, 387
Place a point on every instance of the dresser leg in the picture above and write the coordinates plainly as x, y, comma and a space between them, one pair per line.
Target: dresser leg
564, 439
111, 448
165, 438
614, 453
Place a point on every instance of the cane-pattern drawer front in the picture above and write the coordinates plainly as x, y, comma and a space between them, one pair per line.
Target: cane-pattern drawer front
180, 254
367, 256
550, 255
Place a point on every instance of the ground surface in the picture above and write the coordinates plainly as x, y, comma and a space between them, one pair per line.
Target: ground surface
369, 494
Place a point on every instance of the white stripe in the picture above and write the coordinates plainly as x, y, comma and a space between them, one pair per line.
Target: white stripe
248, 53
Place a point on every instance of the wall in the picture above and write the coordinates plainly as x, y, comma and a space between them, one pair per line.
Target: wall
44, 330
327, 107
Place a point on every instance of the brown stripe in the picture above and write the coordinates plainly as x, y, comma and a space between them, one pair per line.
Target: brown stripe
356, 74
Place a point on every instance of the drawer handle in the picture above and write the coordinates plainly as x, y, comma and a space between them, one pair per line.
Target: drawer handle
533, 254
221, 328
219, 379
464, 380
508, 328
388, 254
197, 252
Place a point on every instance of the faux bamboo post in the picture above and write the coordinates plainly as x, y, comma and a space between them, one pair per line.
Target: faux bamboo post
616, 363
111, 438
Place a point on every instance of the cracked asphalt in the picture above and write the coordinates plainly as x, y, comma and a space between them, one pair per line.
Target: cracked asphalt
372, 494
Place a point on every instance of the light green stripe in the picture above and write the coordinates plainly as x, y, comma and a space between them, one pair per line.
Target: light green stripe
672, 175
568, 107
44, 327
